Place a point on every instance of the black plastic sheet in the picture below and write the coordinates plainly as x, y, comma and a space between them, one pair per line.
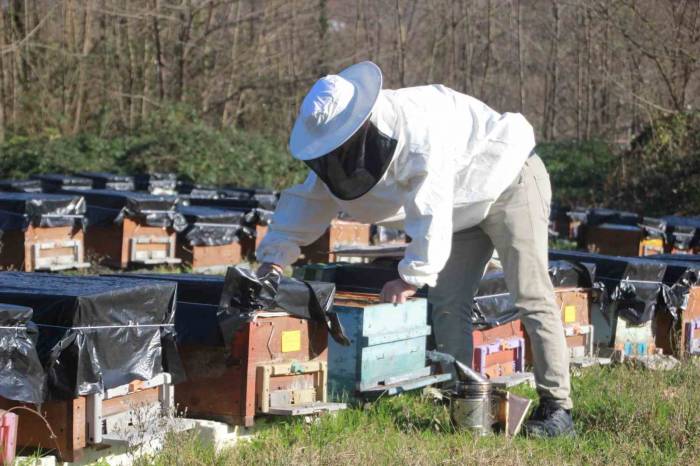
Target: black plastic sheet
244, 293
21, 376
19, 210
156, 183
211, 226
97, 333
634, 285
245, 205
21, 186
266, 199
113, 181
108, 206
598, 216
380, 235
653, 227
682, 273
210, 308
196, 190
53, 182
493, 305
683, 232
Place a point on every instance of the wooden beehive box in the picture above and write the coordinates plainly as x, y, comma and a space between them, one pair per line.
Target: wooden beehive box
41, 231
651, 246
690, 324
612, 239
249, 244
211, 240
575, 310
339, 233
209, 258
69, 420
43, 248
387, 353
132, 243
500, 350
277, 365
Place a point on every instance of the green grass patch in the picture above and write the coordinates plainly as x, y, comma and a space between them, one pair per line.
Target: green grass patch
622, 415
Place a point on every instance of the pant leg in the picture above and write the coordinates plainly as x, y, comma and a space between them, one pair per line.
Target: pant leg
451, 298
517, 225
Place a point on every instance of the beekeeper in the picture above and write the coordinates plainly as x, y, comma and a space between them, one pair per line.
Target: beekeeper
461, 178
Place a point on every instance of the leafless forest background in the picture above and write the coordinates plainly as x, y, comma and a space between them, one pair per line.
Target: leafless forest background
575, 68
210, 88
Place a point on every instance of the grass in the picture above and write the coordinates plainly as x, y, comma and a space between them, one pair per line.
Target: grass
622, 415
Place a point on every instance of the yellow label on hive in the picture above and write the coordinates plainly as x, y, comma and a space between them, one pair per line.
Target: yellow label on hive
291, 341
569, 314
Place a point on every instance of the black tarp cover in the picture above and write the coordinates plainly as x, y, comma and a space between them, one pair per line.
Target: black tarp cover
97, 333
634, 285
381, 235
211, 226
195, 190
493, 304
254, 213
683, 232
21, 376
207, 300
682, 273
156, 183
102, 180
106, 206
19, 210
266, 199
21, 186
52, 182
598, 215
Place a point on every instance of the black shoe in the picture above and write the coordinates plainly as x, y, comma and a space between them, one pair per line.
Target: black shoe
549, 420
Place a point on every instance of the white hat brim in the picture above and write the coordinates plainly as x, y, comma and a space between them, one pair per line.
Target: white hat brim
304, 144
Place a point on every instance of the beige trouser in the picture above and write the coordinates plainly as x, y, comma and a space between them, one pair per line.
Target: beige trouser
516, 227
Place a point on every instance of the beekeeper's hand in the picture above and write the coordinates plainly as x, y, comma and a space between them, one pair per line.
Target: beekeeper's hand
397, 291
267, 267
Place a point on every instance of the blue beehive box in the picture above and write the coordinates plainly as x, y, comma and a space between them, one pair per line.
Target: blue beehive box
387, 350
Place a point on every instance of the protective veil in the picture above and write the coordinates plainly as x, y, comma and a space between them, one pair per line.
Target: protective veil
452, 159
352, 169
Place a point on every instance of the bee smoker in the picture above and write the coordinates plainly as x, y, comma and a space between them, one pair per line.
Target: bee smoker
472, 406
477, 406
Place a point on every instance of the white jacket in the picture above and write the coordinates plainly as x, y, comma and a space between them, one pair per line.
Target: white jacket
454, 157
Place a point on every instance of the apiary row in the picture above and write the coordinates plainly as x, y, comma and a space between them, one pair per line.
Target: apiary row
622, 233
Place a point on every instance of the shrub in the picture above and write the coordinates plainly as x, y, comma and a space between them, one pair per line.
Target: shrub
175, 141
579, 171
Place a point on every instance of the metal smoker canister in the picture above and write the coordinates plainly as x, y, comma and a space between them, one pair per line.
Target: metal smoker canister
472, 407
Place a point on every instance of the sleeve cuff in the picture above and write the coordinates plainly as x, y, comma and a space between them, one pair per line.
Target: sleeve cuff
283, 254
409, 273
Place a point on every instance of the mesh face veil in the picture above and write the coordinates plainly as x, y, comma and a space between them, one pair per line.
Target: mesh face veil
355, 167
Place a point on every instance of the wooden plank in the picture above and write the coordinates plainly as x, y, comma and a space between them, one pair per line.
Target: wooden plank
67, 420
106, 243
131, 401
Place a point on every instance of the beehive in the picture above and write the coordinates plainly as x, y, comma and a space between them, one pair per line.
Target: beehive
388, 346
339, 233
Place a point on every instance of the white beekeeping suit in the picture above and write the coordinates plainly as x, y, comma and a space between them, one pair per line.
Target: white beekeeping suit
451, 157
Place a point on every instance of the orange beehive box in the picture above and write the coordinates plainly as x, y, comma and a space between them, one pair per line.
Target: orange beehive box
339, 233
42, 231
